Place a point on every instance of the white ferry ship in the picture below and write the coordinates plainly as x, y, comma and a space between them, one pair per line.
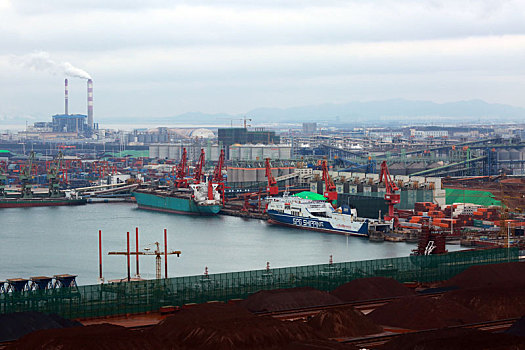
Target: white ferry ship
315, 215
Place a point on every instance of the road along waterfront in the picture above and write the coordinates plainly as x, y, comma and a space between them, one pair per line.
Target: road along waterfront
45, 241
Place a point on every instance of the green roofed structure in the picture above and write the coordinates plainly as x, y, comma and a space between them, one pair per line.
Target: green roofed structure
310, 195
484, 198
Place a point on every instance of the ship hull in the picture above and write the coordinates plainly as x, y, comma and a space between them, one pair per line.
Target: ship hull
173, 205
314, 224
37, 202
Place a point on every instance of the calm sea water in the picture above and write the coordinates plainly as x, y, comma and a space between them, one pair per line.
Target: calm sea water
56, 240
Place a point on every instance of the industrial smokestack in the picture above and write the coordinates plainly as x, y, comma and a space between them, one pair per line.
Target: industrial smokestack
66, 96
90, 103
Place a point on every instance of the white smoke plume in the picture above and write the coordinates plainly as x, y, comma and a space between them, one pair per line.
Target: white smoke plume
41, 61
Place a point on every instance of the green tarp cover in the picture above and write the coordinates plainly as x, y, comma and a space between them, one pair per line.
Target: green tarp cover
470, 196
310, 195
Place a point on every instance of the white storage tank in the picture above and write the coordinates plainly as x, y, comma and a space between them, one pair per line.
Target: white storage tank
503, 154
245, 152
163, 151
257, 152
234, 152
514, 154
175, 152
285, 152
153, 151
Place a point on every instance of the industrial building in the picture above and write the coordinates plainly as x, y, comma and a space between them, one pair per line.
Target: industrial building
230, 136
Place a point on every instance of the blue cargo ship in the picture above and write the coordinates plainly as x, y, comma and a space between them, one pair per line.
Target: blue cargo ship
198, 199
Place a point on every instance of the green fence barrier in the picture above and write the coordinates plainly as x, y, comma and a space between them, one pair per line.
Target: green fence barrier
135, 297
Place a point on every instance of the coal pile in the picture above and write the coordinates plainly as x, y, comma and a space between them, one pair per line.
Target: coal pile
18, 324
518, 328
489, 275
103, 336
343, 322
287, 299
225, 327
317, 345
492, 303
371, 288
423, 313
455, 339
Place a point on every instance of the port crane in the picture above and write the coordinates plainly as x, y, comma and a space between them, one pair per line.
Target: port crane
26, 177
391, 197
198, 173
3, 179
181, 170
330, 190
53, 174
272, 187
218, 177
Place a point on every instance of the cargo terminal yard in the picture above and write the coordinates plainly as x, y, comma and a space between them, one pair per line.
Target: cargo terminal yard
411, 185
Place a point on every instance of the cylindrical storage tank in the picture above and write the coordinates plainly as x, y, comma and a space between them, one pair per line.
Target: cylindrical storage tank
503, 154
245, 152
274, 152
261, 174
214, 153
266, 152
232, 174
154, 151
163, 151
175, 152
234, 152
352, 188
250, 174
339, 188
257, 152
514, 154
285, 152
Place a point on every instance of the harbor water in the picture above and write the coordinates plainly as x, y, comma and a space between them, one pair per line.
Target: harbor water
56, 240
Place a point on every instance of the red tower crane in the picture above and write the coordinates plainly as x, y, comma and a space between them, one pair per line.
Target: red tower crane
272, 188
391, 197
197, 175
330, 191
181, 170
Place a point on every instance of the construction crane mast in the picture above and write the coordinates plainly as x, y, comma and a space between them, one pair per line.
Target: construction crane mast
272, 188
198, 173
391, 197
330, 190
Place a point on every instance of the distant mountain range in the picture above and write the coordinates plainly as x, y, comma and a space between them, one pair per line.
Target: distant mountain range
373, 112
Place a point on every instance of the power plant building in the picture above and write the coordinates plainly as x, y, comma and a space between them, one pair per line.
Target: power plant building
69, 123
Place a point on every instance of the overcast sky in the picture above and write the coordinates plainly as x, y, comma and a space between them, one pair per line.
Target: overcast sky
155, 58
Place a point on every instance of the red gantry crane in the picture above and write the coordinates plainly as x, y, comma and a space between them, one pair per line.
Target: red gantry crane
391, 197
272, 188
197, 174
330, 190
218, 178
181, 170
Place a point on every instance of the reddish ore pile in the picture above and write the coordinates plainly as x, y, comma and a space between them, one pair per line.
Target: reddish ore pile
423, 313
287, 299
103, 336
226, 326
489, 275
492, 303
18, 324
455, 339
343, 322
371, 288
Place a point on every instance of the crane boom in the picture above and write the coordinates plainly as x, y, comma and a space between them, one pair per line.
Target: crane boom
391, 197
197, 175
272, 188
181, 170
330, 189
217, 173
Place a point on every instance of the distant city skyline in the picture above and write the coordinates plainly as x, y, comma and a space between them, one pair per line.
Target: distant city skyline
162, 58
